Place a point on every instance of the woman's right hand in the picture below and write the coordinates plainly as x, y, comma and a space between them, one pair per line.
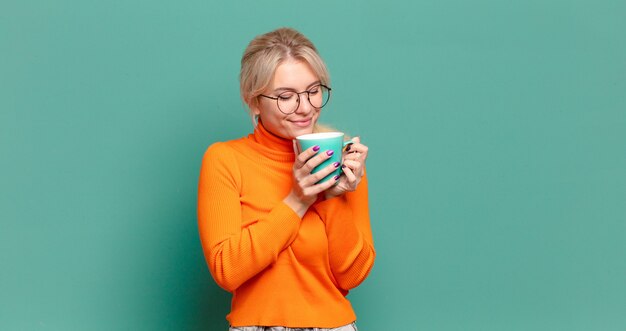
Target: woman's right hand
304, 190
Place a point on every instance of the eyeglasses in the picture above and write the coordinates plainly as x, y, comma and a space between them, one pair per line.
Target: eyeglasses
289, 101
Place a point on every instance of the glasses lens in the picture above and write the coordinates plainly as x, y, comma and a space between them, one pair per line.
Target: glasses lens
288, 102
318, 96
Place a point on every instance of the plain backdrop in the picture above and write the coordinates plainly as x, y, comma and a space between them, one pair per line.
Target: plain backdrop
497, 135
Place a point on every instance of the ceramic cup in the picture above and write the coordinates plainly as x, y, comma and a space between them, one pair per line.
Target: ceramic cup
332, 141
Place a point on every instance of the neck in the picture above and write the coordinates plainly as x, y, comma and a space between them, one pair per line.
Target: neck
271, 140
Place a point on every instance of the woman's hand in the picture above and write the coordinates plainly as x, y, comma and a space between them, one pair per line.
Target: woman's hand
304, 191
353, 169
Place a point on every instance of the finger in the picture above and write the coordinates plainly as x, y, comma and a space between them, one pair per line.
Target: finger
313, 179
350, 176
321, 187
356, 156
357, 152
305, 156
352, 156
355, 167
352, 164
349, 144
316, 160
316, 188
358, 147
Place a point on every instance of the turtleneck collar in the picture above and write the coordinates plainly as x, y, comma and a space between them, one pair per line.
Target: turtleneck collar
274, 147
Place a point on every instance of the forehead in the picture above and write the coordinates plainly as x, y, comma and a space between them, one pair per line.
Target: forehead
293, 74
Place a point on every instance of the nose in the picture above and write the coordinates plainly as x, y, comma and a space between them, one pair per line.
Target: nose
304, 107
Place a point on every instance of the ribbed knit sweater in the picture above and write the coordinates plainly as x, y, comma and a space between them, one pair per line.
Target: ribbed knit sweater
282, 270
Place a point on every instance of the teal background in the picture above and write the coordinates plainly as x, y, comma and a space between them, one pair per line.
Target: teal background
497, 135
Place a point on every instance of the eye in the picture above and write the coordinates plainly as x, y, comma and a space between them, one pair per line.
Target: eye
314, 90
286, 96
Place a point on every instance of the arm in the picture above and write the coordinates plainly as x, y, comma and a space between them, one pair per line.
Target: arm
235, 252
350, 244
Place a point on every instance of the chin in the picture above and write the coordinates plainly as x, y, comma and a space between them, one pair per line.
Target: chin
298, 131
302, 131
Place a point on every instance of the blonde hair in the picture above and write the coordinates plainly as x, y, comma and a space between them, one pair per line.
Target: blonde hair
266, 52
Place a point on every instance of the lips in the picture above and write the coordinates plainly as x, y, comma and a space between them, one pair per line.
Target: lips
302, 123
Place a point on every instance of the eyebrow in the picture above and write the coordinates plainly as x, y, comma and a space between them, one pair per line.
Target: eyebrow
281, 89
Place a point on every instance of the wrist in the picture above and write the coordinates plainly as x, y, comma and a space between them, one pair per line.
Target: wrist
296, 204
329, 195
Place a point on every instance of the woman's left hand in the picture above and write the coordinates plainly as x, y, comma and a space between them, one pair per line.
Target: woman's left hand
353, 168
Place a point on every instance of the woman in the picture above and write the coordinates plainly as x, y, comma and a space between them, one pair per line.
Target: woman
287, 248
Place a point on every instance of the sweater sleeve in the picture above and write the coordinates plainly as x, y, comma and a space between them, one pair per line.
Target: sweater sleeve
234, 251
350, 243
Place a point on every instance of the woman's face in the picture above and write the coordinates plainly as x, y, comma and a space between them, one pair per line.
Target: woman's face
294, 76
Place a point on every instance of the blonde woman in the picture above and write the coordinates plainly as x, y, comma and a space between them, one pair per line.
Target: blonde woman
287, 247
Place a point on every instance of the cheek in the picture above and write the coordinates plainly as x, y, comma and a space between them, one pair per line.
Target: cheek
275, 120
317, 113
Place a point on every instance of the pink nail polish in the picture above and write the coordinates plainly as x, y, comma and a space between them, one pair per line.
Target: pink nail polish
336, 164
316, 148
329, 153
336, 177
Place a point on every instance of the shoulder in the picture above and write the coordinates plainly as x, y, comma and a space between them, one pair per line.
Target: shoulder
220, 164
224, 149
218, 149
226, 154
219, 154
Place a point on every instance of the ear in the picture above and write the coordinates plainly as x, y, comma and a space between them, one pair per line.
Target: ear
254, 108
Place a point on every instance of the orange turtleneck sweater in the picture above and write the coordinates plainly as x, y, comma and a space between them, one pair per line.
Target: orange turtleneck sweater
281, 270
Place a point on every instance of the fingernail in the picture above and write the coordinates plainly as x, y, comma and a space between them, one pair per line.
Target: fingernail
316, 148
348, 147
343, 166
329, 153
336, 177
336, 164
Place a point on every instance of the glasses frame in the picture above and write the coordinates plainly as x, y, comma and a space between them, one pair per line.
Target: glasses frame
308, 97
